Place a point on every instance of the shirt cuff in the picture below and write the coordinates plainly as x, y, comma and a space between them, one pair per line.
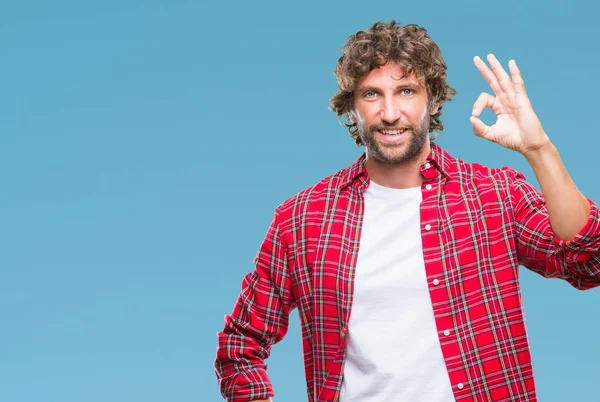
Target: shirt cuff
587, 241
247, 386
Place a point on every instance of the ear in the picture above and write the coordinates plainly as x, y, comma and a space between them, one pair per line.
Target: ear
434, 109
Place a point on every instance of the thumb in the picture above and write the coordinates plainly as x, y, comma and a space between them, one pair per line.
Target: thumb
479, 127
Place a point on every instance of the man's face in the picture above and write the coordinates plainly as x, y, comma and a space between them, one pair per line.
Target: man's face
391, 114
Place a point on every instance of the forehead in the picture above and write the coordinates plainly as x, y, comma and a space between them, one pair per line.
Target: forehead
390, 74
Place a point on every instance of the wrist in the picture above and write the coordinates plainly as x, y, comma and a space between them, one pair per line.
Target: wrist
540, 153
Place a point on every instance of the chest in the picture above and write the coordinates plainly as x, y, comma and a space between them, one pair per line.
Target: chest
464, 233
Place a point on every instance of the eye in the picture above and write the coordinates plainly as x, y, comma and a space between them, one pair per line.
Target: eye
370, 94
407, 91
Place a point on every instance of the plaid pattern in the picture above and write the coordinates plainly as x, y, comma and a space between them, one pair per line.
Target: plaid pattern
478, 226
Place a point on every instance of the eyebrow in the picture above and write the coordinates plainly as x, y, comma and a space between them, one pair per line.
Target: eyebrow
407, 85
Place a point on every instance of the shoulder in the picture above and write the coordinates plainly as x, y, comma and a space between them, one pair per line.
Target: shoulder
311, 203
476, 180
472, 173
491, 186
312, 198
475, 172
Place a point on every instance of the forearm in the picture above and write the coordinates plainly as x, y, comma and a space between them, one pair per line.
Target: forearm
239, 364
567, 207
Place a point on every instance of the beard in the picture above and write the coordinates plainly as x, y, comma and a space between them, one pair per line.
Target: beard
394, 154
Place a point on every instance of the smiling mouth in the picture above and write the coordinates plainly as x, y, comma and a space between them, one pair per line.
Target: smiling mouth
391, 133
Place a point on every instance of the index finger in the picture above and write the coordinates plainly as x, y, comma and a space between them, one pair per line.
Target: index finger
487, 75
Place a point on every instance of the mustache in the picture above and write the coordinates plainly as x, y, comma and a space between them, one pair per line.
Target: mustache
398, 126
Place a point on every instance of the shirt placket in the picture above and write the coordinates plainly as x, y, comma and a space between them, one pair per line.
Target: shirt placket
431, 216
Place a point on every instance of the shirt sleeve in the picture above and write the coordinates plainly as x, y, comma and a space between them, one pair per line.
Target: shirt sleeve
577, 260
259, 320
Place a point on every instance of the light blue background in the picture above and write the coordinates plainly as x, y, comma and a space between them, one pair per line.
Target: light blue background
145, 144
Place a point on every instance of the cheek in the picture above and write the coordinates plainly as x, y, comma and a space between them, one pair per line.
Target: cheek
364, 114
424, 114
369, 112
416, 113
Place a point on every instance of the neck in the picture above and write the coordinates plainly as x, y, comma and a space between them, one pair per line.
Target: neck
403, 175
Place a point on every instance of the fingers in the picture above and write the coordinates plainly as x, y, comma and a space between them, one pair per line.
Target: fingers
516, 77
501, 75
479, 127
487, 75
498, 78
483, 101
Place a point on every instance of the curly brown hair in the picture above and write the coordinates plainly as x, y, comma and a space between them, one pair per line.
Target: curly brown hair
408, 45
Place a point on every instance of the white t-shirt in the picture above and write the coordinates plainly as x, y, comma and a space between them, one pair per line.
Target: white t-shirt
393, 347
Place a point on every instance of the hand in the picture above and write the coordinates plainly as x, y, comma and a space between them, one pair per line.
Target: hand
517, 127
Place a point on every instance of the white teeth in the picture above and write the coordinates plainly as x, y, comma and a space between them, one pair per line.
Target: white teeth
392, 132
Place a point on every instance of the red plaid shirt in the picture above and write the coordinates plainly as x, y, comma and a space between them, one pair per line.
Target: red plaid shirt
477, 224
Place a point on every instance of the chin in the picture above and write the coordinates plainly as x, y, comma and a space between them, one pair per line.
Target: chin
397, 155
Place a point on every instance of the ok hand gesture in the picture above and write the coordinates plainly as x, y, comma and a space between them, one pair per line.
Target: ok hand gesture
517, 127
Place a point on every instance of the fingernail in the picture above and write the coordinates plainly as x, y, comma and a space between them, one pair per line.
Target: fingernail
474, 112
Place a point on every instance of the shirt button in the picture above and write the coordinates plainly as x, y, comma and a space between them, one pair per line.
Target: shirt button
446, 332
428, 227
427, 165
428, 187
436, 282
460, 385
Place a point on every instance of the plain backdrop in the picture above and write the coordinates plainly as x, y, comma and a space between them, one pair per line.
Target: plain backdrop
144, 146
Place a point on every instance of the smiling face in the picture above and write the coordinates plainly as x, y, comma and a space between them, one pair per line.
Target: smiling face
392, 115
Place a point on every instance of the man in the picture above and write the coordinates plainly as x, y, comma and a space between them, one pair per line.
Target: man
404, 266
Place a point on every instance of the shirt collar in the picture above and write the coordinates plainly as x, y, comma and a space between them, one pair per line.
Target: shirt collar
445, 162
441, 160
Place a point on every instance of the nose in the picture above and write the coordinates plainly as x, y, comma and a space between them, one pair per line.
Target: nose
390, 111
